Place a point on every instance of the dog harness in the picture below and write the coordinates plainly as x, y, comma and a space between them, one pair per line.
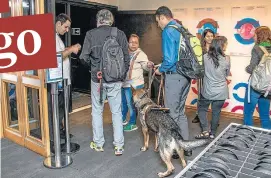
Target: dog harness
151, 107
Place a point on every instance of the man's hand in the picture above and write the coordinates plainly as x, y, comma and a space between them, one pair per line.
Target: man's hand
150, 64
157, 72
75, 48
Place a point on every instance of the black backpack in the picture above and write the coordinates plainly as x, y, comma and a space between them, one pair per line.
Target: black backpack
112, 64
190, 59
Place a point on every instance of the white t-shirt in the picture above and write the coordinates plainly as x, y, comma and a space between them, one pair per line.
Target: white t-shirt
66, 63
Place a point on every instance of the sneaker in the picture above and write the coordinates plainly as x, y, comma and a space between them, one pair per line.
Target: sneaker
118, 151
212, 136
130, 127
95, 147
125, 122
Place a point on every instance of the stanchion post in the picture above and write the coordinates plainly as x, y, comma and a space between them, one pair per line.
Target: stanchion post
54, 95
66, 101
58, 160
68, 147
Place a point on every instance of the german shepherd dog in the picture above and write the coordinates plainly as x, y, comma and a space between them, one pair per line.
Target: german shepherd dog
167, 132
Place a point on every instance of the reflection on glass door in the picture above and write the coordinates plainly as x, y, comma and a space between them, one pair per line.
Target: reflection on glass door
12, 106
33, 107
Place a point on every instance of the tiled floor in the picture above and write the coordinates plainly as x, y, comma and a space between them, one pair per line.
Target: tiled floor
19, 162
80, 100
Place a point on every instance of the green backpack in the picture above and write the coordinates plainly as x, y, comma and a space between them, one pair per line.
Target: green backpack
190, 59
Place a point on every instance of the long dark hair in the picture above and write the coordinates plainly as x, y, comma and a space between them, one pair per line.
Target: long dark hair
202, 40
216, 49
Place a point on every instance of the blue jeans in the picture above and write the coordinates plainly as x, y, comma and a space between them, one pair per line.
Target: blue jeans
264, 107
127, 102
113, 93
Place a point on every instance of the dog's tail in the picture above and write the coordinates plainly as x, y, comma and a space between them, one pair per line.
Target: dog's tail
189, 145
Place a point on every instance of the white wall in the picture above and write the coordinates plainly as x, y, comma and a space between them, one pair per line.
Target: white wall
154, 4
108, 2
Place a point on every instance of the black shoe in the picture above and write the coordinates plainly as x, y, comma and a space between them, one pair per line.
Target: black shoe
175, 155
196, 119
188, 153
63, 134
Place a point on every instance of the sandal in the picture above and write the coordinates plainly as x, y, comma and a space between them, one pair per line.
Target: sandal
202, 135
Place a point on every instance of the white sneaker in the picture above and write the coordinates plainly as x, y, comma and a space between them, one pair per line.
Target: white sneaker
124, 122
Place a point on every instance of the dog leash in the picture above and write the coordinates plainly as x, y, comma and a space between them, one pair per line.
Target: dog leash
150, 82
161, 91
161, 88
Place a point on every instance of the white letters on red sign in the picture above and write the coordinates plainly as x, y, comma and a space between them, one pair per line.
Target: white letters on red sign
20, 46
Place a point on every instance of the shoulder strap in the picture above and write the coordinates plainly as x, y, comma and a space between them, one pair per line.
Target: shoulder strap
114, 32
177, 28
264, 50
132, 65
180, 29
174, 26
266, 53
186, 40
135, 56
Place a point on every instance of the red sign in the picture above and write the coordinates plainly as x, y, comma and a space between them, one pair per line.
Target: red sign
4, 6
27, 43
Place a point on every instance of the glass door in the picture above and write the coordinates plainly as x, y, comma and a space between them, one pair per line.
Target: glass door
34, 96
24, 101
11, 108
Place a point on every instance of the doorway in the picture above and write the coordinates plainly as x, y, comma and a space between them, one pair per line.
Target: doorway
83, 16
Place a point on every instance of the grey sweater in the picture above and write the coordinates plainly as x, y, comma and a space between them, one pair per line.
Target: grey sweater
256, 56
214, 82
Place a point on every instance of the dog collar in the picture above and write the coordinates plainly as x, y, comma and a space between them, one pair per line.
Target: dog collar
140, 98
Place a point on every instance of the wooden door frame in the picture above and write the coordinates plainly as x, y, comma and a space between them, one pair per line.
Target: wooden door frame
9, 132
1, 123
24, 138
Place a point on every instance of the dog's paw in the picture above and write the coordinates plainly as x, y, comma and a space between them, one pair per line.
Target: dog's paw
143, 149
156, 150
165, 174
160, 174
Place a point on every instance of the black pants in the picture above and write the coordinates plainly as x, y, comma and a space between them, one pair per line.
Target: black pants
61, 106
176, 91
203, 106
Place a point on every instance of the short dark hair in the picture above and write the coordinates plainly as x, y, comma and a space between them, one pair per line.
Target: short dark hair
134, 36
63, 18
163, 10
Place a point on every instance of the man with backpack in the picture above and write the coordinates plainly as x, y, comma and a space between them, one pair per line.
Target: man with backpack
176, 85
106, 49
